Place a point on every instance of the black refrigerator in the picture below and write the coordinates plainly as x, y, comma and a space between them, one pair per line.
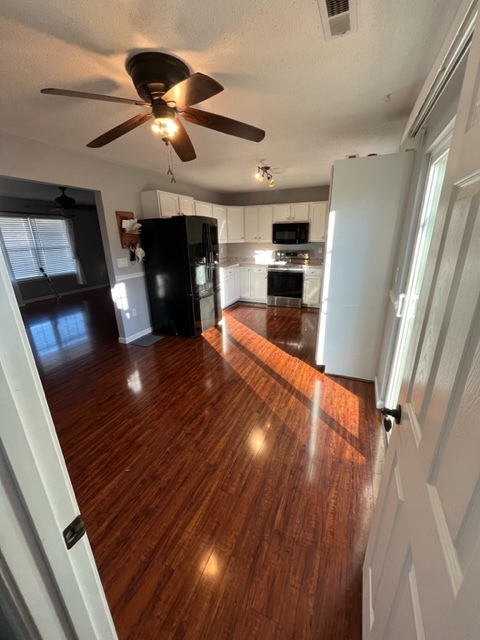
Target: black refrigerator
182, 274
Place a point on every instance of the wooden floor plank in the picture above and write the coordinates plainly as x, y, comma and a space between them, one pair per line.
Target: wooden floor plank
227, 486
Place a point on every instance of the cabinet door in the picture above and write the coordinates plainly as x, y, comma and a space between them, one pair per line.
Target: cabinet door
318, 219
220, 213
227, 282
281, 212
235, 224
258, 284
251, 224
168, 204
186, 205
236, 275
311, 291
229, 290
300, 211
244, 283
265, 217
203, 209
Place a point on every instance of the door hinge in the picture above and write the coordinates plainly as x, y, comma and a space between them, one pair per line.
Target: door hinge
74, 532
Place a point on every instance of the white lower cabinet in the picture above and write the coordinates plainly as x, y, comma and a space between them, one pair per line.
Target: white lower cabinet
228, 290
253, 284
244, 283
237, 283
258, 284
312, 286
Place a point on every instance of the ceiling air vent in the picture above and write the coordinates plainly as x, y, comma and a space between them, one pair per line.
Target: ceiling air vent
339, 17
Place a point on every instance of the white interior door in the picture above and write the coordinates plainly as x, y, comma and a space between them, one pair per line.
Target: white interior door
55, 593
422, 568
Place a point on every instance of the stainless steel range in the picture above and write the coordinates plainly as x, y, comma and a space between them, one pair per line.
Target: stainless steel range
285, 278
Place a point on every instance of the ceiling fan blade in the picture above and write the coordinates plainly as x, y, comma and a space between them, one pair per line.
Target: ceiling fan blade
120, 130
223, 124
182, 144
92, 96
194, 89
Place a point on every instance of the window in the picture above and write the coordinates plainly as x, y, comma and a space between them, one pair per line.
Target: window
35, 243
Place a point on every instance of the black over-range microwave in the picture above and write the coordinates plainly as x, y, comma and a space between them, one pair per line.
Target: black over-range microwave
290, 232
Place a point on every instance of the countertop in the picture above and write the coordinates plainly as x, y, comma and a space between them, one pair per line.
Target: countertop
232, 262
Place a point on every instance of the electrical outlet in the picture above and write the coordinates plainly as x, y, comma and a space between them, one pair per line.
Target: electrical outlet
134, 312
122, 262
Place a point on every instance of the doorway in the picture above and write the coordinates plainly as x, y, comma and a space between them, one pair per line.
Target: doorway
50, 236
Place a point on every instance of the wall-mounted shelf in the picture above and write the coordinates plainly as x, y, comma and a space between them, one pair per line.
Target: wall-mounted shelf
126, 239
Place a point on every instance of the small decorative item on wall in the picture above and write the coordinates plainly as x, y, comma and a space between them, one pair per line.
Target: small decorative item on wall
136, 252
128, 228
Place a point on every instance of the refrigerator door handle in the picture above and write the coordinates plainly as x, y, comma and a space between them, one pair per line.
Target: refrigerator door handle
210, 253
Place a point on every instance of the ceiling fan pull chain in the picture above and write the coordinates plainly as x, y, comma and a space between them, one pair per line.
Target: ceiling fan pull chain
169, 157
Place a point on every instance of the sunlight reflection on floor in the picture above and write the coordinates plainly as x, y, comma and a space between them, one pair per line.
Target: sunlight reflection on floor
289, 387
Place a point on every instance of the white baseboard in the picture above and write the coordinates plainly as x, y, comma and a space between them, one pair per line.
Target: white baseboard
135, 336
378, 403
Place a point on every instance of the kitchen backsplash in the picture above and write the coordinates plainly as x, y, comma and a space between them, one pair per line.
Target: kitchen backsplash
247, 250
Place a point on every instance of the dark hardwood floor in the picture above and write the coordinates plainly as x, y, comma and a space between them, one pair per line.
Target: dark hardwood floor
227, 486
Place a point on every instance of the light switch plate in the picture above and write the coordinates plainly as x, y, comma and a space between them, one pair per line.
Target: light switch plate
122, 262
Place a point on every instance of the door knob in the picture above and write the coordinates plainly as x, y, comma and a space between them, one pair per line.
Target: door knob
394, 413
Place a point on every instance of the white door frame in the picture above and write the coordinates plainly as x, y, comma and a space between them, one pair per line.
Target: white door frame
405, 307
60, 588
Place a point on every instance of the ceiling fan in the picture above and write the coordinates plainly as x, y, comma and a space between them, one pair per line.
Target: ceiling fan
65, 205
165, 84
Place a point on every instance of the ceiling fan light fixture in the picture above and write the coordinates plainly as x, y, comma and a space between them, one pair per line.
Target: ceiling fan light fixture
166, 127
271, 184
165, 123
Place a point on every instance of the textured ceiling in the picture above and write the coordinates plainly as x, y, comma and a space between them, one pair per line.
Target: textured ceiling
317, 99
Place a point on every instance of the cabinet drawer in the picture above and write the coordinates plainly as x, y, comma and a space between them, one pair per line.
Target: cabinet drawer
313, 271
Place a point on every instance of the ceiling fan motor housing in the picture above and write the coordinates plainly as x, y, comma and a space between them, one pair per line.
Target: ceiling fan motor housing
153, 73
64, 200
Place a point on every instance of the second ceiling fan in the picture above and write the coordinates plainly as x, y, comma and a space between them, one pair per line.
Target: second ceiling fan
165, 84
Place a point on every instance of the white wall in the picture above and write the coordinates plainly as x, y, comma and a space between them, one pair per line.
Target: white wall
118, 189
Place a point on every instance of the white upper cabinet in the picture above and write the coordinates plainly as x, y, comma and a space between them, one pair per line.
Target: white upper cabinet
281, 212
265, 219
235, 224
251, 224
186, 205
318, 222
258, 223
300, 211
220, 213
162, 204
203, 209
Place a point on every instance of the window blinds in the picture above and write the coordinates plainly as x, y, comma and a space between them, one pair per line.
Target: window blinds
32, 243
